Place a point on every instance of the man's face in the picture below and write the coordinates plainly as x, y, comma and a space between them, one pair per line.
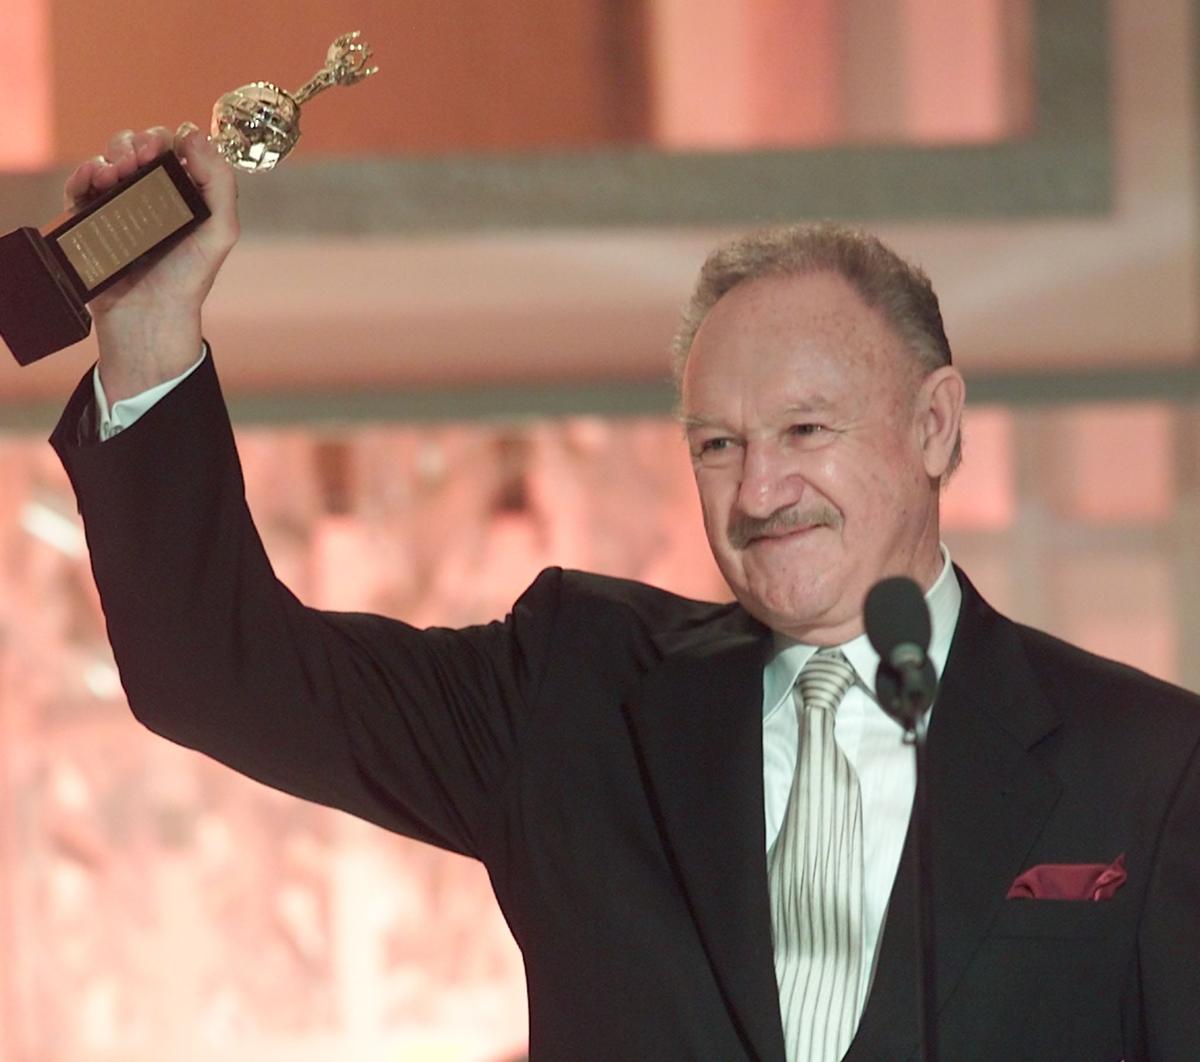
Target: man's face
808, 446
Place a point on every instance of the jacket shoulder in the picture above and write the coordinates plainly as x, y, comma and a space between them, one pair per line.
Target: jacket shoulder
597, 617
1071, 678
602, 602
1100, 680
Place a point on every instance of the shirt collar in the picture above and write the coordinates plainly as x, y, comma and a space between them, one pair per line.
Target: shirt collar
789, 657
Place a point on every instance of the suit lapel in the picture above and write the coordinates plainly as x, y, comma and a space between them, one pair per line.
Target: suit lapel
990, 800
697, 725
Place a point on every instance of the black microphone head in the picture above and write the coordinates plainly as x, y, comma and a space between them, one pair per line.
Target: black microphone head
895, 614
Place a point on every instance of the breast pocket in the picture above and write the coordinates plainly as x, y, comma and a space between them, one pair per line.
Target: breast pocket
1061, 919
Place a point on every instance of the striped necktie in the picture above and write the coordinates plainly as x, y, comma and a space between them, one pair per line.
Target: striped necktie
815, 872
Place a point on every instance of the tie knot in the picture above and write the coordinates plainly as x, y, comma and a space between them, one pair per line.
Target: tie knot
825, 679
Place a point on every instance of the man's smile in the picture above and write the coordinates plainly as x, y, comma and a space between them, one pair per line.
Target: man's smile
783, 535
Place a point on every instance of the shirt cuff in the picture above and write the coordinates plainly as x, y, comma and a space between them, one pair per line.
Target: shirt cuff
127, 411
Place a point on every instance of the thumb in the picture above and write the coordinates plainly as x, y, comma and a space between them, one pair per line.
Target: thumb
210, 173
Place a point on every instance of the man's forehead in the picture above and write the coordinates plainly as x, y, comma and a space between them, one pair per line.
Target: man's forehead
806, 338
815, 313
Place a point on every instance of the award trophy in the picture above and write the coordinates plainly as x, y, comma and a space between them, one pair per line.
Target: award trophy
47, 276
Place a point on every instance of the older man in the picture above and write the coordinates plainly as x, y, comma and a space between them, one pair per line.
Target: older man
694, 816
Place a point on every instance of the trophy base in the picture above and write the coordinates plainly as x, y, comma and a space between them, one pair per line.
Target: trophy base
49, 276
39, 309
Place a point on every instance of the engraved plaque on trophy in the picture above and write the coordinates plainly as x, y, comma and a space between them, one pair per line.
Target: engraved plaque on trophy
47, 276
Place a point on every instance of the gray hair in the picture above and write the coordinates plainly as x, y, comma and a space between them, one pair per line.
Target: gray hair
898, 290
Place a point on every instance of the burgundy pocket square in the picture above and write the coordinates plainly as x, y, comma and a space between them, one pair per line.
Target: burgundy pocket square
1069, 881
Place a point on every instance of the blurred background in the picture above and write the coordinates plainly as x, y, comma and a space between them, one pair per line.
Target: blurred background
443, 338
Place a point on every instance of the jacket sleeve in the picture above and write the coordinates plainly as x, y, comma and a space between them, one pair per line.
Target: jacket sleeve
1169, 934
413, 730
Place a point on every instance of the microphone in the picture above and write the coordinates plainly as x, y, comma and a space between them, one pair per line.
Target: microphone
898, 626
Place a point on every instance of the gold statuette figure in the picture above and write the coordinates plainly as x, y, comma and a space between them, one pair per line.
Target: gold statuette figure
255, 126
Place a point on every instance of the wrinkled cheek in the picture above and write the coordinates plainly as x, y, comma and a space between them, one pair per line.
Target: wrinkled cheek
716, 520
728, 560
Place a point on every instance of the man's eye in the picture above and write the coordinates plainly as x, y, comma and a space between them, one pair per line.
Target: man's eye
807, 429
710, 447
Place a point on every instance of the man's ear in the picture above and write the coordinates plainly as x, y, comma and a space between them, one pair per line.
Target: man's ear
940, 401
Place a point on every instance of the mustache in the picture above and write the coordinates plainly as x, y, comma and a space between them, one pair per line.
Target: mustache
744, 529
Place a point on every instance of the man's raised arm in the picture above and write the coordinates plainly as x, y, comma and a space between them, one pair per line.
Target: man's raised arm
411, 729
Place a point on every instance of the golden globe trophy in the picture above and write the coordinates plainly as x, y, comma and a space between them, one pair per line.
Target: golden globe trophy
255, 126
47, 276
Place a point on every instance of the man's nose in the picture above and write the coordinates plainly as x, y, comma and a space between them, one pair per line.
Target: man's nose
769, 483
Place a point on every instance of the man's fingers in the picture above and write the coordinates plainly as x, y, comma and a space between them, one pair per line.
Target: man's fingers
124, 153
90, 177
119, 145
105, 175
127, 150
152, 142
79, 184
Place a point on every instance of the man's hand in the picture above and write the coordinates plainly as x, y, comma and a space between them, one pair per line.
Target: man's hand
148, 324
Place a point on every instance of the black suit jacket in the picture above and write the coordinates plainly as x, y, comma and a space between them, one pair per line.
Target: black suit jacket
600, 751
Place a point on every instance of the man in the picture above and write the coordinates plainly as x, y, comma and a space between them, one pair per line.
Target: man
694, 816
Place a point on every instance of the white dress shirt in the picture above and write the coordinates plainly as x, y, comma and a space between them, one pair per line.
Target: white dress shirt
870, 740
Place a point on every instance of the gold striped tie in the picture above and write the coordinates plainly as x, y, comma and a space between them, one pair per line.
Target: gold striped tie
815, 871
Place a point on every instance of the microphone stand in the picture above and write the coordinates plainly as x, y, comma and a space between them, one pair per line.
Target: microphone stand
927, 982
905, 697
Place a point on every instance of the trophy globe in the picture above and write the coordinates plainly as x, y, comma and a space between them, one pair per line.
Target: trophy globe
254, 127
